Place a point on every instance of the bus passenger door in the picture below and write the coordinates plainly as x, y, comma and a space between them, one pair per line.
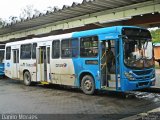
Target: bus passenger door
109, 73
41, 64
15, 69
48, 64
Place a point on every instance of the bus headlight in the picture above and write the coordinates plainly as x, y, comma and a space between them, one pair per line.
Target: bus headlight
129, 76
153, 75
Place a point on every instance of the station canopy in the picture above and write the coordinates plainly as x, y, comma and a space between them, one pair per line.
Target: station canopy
67, 12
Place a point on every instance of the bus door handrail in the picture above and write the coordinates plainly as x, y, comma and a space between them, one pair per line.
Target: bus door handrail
103, 65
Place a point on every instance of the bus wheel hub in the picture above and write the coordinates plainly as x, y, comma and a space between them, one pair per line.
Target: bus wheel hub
88, 85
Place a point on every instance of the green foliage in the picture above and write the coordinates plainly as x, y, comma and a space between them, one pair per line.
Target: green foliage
2, 22
155, 35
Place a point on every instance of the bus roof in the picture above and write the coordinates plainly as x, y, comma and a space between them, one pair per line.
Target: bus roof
41, 39
114, 29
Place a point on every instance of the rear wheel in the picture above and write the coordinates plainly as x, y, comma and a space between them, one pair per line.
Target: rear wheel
88, 85
27, 78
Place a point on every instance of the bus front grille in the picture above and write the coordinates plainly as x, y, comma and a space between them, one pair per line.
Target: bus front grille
142, 72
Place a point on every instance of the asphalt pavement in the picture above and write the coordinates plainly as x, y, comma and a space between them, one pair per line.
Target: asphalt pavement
50, 101
157, 78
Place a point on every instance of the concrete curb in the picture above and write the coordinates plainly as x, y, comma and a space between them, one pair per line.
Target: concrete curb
145, 116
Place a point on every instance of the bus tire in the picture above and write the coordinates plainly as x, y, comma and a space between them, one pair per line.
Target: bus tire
88, 85
27, 78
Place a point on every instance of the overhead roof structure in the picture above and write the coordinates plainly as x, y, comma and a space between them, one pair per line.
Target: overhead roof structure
95, 12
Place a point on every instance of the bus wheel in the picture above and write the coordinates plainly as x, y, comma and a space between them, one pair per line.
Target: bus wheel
27, 78
88, 85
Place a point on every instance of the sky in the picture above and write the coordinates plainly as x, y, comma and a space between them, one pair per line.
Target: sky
14, 7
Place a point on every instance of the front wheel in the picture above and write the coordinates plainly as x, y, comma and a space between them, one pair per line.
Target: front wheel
27, 78
88, 85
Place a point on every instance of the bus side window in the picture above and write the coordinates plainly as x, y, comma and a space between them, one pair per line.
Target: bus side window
89, 46
34, 50
75, 47
70, 48
66, 48
56, 49
8, 53
25, 51
15, 56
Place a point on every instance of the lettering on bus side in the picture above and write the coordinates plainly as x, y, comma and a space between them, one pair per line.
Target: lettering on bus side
61, 65
91, 62
28, 65
109, 37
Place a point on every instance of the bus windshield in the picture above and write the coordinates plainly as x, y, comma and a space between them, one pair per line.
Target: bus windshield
138, 51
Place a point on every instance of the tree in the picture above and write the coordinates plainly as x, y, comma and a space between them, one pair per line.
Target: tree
50, 9
2, 22
28, 12
36, 12
155, 35
13, 19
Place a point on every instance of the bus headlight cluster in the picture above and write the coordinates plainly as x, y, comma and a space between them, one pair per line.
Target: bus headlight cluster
129, 76
153, 76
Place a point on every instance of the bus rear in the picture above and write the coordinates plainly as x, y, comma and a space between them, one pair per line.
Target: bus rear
2, 50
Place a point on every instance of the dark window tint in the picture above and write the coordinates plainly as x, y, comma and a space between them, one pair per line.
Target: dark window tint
34, 50
15, 56
66, 48
8, 53
56, 49
42, 54
48, 54
1, 55
2, 46
25, 51
136, 33
89, 46
75, 47
69, 48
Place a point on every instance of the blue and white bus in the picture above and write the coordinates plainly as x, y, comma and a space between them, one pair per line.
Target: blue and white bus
2, 50
118, 58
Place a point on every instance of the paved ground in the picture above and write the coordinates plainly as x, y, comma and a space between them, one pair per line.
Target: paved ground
158, 78
17, 98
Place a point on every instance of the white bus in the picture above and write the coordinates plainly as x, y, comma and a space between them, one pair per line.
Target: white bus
30, 60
